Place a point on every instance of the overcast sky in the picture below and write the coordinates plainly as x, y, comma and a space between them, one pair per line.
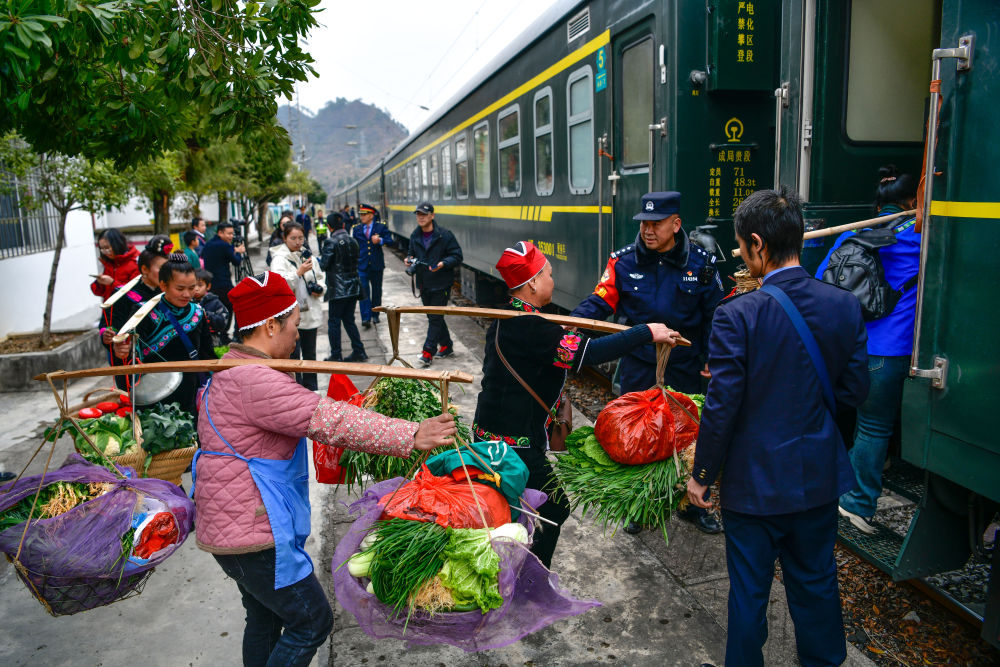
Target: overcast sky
401, 55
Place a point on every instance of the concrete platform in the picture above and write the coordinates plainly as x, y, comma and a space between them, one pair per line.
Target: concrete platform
663, 604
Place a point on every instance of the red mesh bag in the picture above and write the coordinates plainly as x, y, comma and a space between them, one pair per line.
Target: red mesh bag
326, 461
447, 502
642, 426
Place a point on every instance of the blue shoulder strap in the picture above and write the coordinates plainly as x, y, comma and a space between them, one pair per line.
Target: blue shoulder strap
188, 345
808, 340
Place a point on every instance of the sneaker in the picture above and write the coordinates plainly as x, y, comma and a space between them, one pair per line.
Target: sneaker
445, 352
366, 325
857, 521
426, 359
356, 356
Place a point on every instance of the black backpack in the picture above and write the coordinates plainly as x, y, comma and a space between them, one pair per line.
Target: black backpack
857, 267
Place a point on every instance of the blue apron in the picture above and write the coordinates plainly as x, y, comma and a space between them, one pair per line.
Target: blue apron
284, 488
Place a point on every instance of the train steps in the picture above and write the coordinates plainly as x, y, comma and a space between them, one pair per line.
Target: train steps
905, 479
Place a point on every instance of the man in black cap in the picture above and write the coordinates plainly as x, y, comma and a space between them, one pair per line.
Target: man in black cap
435, 254
661, 277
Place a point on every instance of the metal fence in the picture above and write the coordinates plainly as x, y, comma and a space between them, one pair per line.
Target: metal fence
24, 229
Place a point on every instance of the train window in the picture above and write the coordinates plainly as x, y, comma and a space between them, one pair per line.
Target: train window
461, 169
887, 71
580, 123
413, 185
446, 172
637, 110
543, 142
509, 151
432, 164
481, 158
425, 183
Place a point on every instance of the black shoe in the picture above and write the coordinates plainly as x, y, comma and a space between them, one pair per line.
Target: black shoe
333, 358
445, 352
6, 476
375, 319
356, 356
632, 528
366, 325
703, 521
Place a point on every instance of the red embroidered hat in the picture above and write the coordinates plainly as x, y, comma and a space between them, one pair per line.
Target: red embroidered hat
260, 297
520, 263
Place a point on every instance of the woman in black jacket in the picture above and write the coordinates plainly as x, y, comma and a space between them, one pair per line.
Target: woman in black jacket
542, 353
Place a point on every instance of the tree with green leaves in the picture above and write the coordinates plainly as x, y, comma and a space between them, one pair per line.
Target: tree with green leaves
128, 80
316, 194
67, 184
158, 181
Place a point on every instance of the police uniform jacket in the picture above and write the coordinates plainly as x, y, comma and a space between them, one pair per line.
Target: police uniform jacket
679, 288
765, 424
371, 257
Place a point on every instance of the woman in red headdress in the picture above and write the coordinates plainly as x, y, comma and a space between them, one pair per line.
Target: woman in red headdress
542, 354
251, 473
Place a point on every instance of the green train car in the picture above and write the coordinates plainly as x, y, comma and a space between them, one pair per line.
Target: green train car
601, 101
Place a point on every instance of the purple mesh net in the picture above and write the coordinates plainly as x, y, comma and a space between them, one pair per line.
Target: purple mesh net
73, 562
532, 596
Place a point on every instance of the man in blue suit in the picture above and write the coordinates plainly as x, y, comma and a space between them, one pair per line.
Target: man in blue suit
781, 358
371, 236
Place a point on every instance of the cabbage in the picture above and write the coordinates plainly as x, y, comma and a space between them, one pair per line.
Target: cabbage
471, 568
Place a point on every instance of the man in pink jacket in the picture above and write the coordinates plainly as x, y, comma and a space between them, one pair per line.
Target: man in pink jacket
251, 474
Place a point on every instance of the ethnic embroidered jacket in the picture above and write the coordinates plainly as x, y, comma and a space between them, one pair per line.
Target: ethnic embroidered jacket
263, 413
159, 340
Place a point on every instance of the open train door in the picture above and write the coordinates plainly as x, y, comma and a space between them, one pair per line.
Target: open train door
634, 146
954, 391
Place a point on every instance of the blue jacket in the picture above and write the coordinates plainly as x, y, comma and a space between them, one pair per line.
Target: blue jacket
892, 335
217, 256
370, 257
679, 288
765, 425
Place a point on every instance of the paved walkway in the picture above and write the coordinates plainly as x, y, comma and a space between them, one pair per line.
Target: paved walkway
663, 605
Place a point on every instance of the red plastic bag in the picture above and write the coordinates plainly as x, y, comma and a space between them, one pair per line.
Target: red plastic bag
642, 426
341, 388
326, 461
447, 502
158, 533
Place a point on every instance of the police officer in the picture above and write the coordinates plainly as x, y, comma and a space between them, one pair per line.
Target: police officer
371, 235
661, 277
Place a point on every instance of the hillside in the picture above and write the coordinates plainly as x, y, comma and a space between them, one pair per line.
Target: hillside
330, 155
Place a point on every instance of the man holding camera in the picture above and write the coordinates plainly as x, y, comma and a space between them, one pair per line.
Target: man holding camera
434, 255
343, 287
218, 254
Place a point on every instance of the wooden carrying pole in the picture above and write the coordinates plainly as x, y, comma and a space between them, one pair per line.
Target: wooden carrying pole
500, 314
861, 224
285, 365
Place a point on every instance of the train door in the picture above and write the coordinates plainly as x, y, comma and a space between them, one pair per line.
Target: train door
636, 82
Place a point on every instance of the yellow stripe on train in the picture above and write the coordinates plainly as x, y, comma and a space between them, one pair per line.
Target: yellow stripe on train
529, 213
966, 209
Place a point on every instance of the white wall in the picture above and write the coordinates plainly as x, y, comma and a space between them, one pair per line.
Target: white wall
136, 213
22, 302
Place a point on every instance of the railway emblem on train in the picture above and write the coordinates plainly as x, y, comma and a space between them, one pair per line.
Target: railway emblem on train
734, 130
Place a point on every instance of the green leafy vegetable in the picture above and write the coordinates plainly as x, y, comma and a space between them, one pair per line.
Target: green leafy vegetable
402, 398
405, 555
614, 493
471, 568
165, 428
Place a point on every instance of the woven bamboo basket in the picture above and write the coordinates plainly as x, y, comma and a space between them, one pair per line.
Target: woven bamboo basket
165, 465
744, 283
